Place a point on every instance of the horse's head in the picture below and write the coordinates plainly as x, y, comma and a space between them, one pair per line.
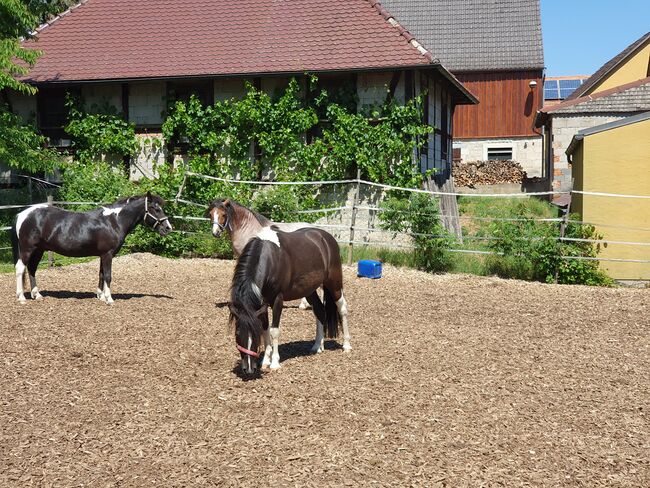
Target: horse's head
220, 214
248, 333
154, 216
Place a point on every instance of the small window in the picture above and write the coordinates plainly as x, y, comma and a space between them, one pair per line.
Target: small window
499, 153
183, 90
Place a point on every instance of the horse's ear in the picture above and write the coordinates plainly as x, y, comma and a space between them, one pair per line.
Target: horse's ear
226, 202
148, 194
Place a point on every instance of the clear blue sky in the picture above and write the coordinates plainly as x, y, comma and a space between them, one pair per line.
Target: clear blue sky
582, 35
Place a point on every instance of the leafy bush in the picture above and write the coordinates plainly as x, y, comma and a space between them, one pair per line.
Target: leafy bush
419, 215
531, 250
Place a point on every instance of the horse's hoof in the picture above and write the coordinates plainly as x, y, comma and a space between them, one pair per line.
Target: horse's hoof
38, 296
22, 301
316, 350
274, 366
110, 302
347, 347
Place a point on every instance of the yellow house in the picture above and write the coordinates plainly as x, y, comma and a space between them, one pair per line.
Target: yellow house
608, 159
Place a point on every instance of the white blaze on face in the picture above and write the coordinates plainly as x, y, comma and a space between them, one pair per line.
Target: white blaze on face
110, 211
267, 234
23, 215
248, 356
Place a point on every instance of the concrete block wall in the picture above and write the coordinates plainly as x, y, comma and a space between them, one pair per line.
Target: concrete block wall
563, 129
527, 151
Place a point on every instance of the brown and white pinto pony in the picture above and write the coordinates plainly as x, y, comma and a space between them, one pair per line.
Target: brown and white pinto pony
99, 232
276, 266
242, 224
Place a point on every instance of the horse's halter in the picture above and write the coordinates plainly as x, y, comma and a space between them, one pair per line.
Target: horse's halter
247, 351
221, 226
157, 221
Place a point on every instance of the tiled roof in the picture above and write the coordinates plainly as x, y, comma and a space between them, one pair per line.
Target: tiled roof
629, 98
127, 39
475, 35
608, 67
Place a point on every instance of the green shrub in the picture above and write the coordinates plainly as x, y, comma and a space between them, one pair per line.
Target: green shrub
419, 215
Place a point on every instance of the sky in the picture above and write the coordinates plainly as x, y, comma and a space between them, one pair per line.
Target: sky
582, 35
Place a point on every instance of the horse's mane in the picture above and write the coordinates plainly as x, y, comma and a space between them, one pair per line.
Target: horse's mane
242, 296
263, 221
152, 198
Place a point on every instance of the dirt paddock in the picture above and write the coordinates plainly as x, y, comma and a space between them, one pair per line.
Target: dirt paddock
453, 381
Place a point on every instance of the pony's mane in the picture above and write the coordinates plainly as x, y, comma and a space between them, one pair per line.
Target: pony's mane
152, 198
242, 296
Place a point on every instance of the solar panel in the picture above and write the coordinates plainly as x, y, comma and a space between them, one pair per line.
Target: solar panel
551, 90
572, 84
565, 92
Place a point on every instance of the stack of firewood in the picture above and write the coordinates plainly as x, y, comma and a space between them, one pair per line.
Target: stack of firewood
495, 172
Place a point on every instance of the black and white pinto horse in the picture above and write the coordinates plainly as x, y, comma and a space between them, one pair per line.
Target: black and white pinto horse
99, 232
276, 266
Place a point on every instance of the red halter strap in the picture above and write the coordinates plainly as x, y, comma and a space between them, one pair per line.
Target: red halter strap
247, 351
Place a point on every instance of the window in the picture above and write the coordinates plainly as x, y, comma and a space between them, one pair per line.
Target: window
53, 114
183, 90
499, 153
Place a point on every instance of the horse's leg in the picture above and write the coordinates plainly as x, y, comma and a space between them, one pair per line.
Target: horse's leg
274, 331
106, 263
20, 277
319, 313
100, 286
268, 347
342, 306
32, 266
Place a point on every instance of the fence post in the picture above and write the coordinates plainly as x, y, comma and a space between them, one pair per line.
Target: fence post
563, 226
50, 256
353, 218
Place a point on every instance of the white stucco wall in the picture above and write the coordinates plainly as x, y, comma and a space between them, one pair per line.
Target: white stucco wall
527, 151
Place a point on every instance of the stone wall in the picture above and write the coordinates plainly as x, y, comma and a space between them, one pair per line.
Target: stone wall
527, 151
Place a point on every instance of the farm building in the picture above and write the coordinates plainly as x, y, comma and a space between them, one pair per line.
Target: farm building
615, 158
139, 60
619, 89
558, 88
495, 49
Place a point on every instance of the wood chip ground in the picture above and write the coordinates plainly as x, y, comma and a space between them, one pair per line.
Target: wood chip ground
453, 381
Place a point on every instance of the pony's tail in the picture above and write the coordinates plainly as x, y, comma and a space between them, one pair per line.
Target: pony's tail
15, 247
332, 318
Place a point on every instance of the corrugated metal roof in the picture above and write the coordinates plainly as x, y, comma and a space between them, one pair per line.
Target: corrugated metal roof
126, 39
476, 35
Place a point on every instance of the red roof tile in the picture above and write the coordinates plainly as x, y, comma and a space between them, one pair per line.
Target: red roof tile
126, 39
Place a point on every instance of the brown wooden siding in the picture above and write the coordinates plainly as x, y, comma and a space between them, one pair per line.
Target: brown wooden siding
506, 107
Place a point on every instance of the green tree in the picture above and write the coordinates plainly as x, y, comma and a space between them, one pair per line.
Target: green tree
20, 146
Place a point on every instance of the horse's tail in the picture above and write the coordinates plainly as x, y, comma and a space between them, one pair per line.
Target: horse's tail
332, 317
15, 246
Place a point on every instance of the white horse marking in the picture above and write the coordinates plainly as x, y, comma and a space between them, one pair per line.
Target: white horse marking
267, 234
23, 215
110, 211
107, 295
100, 294
20, 273
268, 349
342, 306
275, 337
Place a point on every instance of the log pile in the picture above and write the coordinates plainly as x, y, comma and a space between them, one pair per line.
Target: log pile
476, 173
